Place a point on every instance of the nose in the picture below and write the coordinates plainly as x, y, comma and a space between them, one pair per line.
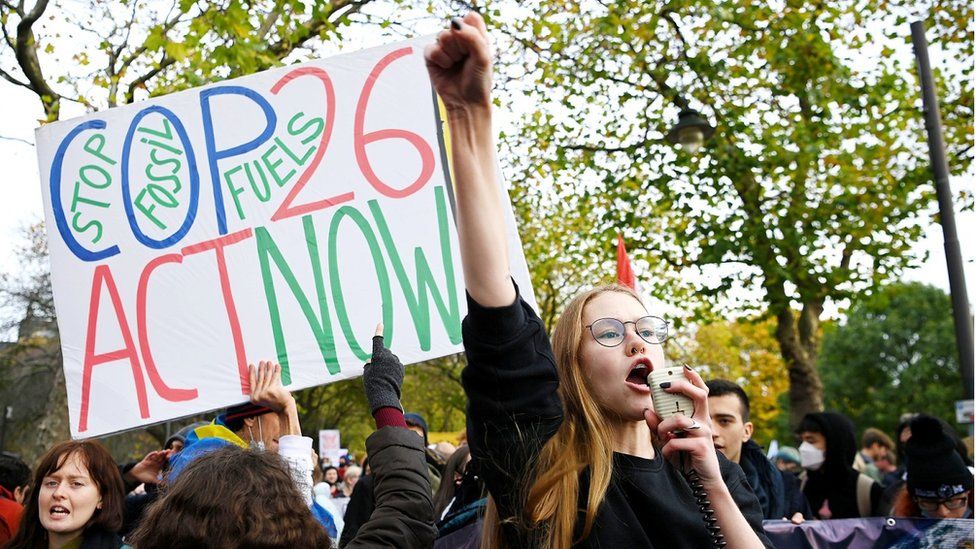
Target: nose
633, 343
58, 492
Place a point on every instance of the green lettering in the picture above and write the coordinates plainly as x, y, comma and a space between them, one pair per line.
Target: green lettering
321, 325
417, 299
272, 165
234, 191
382, 276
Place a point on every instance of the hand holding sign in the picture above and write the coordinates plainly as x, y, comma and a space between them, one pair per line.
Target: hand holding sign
382, 376
267, 390
266, 387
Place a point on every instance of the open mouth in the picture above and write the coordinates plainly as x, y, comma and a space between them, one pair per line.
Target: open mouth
60, 511
638, 373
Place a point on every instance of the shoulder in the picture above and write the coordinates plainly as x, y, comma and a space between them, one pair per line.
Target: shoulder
96, 538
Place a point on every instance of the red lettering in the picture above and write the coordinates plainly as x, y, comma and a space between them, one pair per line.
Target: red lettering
286, 210
361, 139
104, 275
218, 245
165, 391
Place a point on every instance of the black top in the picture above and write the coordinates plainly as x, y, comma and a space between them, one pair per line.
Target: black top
513, 409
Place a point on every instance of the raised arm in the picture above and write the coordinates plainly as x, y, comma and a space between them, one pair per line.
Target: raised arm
460, 68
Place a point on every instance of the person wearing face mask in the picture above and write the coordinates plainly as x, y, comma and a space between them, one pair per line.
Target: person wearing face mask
269, 422
830, 483
939, 483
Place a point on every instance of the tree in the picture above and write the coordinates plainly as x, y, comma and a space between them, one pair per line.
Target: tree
895, 353
813, 186
104, 54
745, 351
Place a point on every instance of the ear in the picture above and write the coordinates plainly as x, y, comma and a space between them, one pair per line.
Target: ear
249, 421
20, 494
747, 431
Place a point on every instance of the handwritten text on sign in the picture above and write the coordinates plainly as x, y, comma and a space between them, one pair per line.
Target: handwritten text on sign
279, 216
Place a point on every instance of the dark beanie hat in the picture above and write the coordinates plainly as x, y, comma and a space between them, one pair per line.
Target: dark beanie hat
182, 434
935, 469
416, 420
234, 417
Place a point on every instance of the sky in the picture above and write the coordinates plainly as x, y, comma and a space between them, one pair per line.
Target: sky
22, 204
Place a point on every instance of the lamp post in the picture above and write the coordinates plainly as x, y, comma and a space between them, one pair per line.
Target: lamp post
690, 132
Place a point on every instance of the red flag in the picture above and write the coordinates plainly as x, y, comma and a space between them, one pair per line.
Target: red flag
625, 271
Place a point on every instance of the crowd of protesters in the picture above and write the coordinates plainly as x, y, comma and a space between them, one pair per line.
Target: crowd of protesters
563, 446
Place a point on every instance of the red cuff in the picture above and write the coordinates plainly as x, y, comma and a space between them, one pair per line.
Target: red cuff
389, 416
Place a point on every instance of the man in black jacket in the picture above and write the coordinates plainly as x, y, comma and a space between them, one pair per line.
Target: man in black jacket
778, 491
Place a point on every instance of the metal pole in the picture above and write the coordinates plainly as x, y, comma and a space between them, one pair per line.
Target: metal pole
940, 171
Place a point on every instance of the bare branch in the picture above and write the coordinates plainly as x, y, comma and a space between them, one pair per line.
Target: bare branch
141, 81
9, 78
17, 139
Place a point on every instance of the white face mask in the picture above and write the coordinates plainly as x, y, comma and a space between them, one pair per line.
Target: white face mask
810, 456
257, 444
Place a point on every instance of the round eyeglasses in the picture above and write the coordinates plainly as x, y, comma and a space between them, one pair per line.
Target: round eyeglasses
611, 332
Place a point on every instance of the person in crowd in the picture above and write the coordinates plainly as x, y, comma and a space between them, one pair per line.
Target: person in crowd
778, 492
939, 484
453, 474
353, 473
231, 497
361, 499
887, 464
14, 483
269, 509
260, 425
831, 484
329, 484
561, 433
461, 501
787, 459
874, 442
435, 463
445, 450
75, 500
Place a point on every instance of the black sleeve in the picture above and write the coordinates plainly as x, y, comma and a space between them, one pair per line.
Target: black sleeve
358, 510
876, 492
745, 499
513, 405
796, 502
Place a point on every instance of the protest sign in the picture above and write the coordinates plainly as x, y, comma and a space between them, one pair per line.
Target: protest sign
277, 216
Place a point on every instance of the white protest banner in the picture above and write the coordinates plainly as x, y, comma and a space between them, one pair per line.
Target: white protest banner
328, 441
277, 216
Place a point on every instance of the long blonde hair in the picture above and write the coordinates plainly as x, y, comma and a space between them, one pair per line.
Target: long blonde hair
583, 441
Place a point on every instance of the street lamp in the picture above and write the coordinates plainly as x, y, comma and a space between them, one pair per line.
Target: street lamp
690, 132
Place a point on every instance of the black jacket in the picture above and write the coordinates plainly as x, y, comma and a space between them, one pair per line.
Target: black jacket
403, 516
778, 491
513, 409
836, 480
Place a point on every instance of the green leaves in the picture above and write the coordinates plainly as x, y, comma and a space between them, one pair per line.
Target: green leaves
896, 353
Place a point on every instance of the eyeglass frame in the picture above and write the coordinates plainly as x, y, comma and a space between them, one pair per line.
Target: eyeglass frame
624, 324
959, 501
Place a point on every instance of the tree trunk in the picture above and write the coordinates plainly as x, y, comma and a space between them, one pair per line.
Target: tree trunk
799, 340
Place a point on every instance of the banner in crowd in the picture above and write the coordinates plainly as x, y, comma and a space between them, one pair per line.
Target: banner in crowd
329, 446
871, 533
861, 533
278, 216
